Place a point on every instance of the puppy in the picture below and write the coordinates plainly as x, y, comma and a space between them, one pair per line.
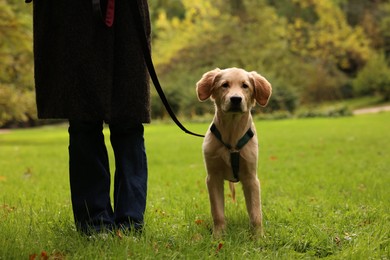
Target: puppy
230, 147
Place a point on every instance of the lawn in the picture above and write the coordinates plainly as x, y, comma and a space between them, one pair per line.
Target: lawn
325, 193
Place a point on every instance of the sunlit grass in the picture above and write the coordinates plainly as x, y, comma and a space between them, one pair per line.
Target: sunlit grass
324, 193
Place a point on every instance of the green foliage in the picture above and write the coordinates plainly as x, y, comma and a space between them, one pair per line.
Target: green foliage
330, 39
324, 194
338, 111
311, 51
384, 24
16, 104
283, 98
17, 100
332, 47
214, 38
374, 78
310, 55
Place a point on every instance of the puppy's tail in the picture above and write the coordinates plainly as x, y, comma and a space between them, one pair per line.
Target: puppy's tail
233, 191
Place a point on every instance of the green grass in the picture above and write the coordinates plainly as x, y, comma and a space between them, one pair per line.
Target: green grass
325, 193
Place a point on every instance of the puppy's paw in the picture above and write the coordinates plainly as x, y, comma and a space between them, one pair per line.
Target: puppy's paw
218, 231
258, 232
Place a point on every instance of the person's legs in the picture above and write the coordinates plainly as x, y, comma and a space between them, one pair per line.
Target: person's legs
89, 177
130, 186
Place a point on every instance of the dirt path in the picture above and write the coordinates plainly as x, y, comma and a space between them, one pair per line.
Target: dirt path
371, 110
4, 131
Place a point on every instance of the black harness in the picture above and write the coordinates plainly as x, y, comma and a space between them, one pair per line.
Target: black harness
234, 151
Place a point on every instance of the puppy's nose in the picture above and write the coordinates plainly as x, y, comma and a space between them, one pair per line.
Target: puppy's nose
235, 100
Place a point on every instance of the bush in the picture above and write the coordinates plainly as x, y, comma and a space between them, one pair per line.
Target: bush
325, 112
16, 106
283, 98
277, 115
374, 78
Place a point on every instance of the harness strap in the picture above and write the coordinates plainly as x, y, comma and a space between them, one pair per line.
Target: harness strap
234, 152
217, 134
235, 163
245, 139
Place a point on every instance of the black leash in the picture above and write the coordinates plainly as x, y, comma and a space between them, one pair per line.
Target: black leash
149, 63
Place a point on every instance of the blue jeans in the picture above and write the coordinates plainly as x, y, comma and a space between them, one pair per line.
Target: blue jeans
90, 176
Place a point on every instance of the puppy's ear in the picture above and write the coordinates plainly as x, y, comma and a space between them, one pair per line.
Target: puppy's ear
205, 84
263, 88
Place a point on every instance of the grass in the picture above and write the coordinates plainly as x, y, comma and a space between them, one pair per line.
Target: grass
325, 193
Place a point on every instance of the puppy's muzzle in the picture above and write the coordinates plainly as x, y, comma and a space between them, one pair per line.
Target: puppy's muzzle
235, 104
236, 100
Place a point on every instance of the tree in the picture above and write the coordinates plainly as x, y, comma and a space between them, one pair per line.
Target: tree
369, 15
374, 78
209, 36
17, 101
309, 50
334, 48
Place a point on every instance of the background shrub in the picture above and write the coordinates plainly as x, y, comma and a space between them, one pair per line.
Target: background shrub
374, 78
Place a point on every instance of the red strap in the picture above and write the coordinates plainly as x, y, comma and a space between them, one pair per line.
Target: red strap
110, 13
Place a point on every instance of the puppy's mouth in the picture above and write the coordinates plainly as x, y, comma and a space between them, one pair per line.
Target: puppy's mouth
235, 109
235, 105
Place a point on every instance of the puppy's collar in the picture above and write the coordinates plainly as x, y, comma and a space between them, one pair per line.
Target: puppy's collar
234, 151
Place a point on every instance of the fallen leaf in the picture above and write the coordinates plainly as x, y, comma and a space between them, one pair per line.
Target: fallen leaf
57, 256
119, 234
349, 237
155, 247
3, 178
44, 255
220, 245
337, 240
197, 237
199, 221
7, 208
28, 173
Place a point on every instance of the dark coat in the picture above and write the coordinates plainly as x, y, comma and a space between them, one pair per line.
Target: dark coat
85, 70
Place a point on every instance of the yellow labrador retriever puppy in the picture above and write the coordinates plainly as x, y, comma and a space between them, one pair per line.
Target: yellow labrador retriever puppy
230, 147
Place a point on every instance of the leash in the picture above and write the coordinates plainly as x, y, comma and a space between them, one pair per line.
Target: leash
152, 72
108, 19
234, 151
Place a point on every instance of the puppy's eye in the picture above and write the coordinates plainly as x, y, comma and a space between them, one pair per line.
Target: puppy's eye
225, 85
245, 85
